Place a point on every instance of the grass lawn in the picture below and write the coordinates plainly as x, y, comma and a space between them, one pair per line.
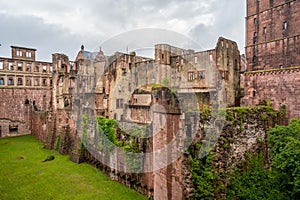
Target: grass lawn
23, 175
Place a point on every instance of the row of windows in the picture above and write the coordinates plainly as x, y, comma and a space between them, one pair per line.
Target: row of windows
28, 81
285, 26
28, 66
192, 75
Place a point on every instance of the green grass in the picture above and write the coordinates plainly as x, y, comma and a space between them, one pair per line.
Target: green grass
23, 175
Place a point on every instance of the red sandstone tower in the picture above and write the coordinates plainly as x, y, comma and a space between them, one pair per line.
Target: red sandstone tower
272, 34
273, 54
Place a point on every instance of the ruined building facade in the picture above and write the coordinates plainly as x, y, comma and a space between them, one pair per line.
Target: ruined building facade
24, 84
161, 96
273, 54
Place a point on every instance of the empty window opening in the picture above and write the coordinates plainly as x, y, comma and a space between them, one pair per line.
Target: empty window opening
28, 67
1, 81
36, 69
191, 76
19, 53
28, 54
44, 68
10, 66
254, 37
285, 25
265, 30
236, 65
210, 58
1, 65
26, 102
13, 129
201, 75
162, 56
28, 82
254, 59
10, 81
254, 93
255, 20
36, 82
196, 59
20, 81
20, 67
44, 82
119, 103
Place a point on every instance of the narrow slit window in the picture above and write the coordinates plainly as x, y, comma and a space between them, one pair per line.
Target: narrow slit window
265, 30
285, 25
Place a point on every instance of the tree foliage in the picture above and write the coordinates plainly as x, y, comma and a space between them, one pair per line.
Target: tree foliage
282, 180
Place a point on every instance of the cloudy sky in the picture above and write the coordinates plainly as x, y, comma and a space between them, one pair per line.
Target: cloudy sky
61, 26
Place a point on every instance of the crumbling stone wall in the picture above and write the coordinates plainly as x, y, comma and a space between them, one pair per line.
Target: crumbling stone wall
15, 107
243, 132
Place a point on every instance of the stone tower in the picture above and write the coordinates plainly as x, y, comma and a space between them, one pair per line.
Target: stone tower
273, 54
272, 34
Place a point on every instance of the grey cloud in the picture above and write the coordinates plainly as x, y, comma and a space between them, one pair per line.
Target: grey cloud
94, 22
31, 31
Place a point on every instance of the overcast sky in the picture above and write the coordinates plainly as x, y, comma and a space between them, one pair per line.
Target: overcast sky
61, 26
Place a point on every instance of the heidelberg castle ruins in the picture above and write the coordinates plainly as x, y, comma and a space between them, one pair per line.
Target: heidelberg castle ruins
39, 97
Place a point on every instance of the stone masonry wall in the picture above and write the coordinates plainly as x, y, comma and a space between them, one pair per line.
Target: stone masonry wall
281, 87
15, 106
243, 132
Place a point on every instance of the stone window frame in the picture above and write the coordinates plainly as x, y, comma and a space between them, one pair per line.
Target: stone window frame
254, 59
191, 76
10, 81
28, 67
20, 81
2, 81
255, 37
19, 53
28, 54
28, 81
11, 66
20, 66
36, 68
264, 30
1, 65
285, 25
201, 75
44, 68
36, 82
44, 82
119, 103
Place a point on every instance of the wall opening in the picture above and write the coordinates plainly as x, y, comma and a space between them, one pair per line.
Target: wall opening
13, 129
